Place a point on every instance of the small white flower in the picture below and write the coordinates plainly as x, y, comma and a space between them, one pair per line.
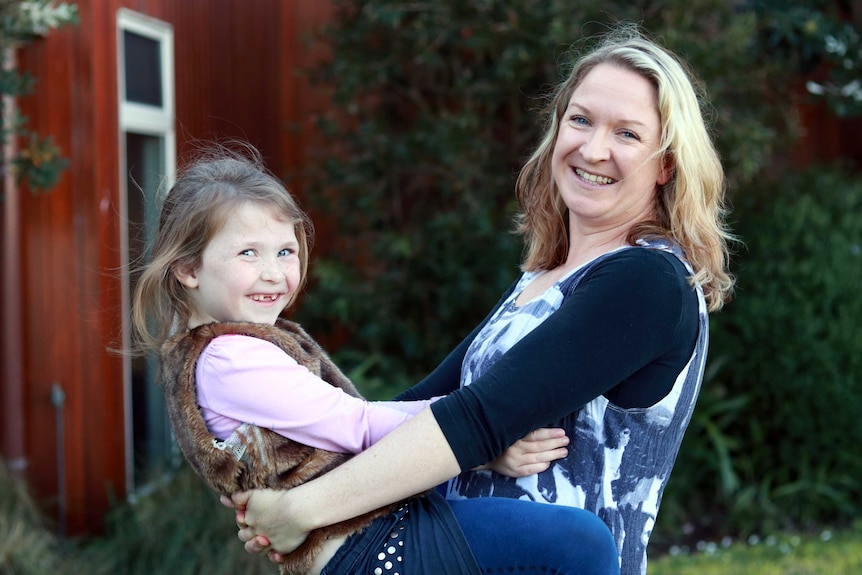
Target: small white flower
753, 539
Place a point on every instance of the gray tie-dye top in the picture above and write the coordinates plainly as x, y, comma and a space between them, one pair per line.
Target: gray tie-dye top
619, 459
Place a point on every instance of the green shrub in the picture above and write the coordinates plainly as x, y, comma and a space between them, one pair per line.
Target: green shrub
435, 109
178, 528
775, 439
27, 546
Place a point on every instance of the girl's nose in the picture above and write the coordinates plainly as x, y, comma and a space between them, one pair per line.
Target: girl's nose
271, 272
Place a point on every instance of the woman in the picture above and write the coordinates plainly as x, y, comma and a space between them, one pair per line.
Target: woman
604, 334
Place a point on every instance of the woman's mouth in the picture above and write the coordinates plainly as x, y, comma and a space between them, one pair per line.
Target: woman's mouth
593, 178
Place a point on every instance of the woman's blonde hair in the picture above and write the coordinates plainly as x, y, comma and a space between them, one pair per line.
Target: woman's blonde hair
689, 208
205, 194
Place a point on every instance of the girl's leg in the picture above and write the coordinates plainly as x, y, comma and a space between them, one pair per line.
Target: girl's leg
509, 535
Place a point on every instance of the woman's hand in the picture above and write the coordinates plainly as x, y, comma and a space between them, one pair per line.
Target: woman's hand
264, 522
532, 454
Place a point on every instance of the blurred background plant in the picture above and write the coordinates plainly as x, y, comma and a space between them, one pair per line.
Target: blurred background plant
27, 545
435, 108
38, 161
177, 527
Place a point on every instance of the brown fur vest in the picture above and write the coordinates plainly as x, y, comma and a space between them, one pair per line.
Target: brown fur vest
257, 457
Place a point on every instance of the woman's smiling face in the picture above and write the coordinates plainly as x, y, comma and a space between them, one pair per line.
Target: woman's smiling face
605, 162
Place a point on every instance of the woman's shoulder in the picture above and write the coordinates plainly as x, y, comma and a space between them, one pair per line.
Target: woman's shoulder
644, 262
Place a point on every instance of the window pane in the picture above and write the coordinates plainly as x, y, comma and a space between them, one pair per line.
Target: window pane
152, 444
143, 69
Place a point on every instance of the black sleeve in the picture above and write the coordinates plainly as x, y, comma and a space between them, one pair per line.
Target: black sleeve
621, 317
446, 377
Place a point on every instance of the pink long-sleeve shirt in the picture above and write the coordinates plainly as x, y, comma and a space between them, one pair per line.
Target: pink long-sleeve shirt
243, 379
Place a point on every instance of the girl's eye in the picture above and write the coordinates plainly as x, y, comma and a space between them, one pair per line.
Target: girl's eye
286, 252
248, 252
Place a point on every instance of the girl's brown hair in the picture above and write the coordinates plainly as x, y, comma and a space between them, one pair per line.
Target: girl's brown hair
195, 209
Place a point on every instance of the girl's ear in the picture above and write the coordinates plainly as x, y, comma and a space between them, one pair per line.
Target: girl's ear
667, 167
186, 275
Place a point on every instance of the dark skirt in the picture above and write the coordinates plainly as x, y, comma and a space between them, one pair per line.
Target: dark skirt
421, 537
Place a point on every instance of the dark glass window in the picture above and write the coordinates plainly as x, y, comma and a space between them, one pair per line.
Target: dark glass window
143, 69
151, 432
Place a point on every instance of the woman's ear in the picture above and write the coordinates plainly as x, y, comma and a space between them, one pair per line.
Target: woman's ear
186, 275
667, 168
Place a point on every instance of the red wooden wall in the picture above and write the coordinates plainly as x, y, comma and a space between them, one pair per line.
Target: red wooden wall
234, 78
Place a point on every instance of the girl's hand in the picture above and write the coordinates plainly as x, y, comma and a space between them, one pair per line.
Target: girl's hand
532, 454
264, 522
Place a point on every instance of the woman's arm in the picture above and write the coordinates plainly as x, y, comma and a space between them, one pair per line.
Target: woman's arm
411, 459
619, 319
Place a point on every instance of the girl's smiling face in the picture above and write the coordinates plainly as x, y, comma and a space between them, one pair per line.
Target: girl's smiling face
605, 162
248, 271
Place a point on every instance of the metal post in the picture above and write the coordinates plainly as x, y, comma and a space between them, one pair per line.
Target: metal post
58, 399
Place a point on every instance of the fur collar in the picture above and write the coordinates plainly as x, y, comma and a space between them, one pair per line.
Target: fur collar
268, 459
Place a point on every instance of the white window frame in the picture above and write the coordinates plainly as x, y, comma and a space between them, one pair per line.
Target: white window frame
152, 121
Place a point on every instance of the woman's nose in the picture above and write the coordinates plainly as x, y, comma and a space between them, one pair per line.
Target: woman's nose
596, 147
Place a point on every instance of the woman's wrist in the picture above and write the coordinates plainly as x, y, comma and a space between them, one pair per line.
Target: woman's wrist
302, 517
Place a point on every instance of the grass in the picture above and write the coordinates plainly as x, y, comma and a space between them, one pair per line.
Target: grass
827, 553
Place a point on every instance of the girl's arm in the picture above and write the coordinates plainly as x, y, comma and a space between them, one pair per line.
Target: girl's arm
246, 379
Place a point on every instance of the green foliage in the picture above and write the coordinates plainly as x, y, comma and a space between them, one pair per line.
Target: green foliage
817, 39
27, 546
39, 163
435, 109
774, 441
178, 528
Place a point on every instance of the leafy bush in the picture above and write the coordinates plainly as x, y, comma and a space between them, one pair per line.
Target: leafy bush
435, 109
178, 528
27, 546
774, 441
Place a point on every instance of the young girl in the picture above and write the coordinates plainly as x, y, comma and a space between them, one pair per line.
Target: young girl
250, 409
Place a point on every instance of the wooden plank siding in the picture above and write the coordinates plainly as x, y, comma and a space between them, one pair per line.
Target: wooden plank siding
233, 79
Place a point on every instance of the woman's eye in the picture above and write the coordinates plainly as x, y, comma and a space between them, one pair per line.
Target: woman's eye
629, 135
579, 120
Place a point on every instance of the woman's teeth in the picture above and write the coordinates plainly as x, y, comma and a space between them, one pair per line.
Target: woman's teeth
593, 178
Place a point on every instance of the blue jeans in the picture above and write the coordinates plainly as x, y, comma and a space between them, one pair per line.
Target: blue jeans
513, 536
